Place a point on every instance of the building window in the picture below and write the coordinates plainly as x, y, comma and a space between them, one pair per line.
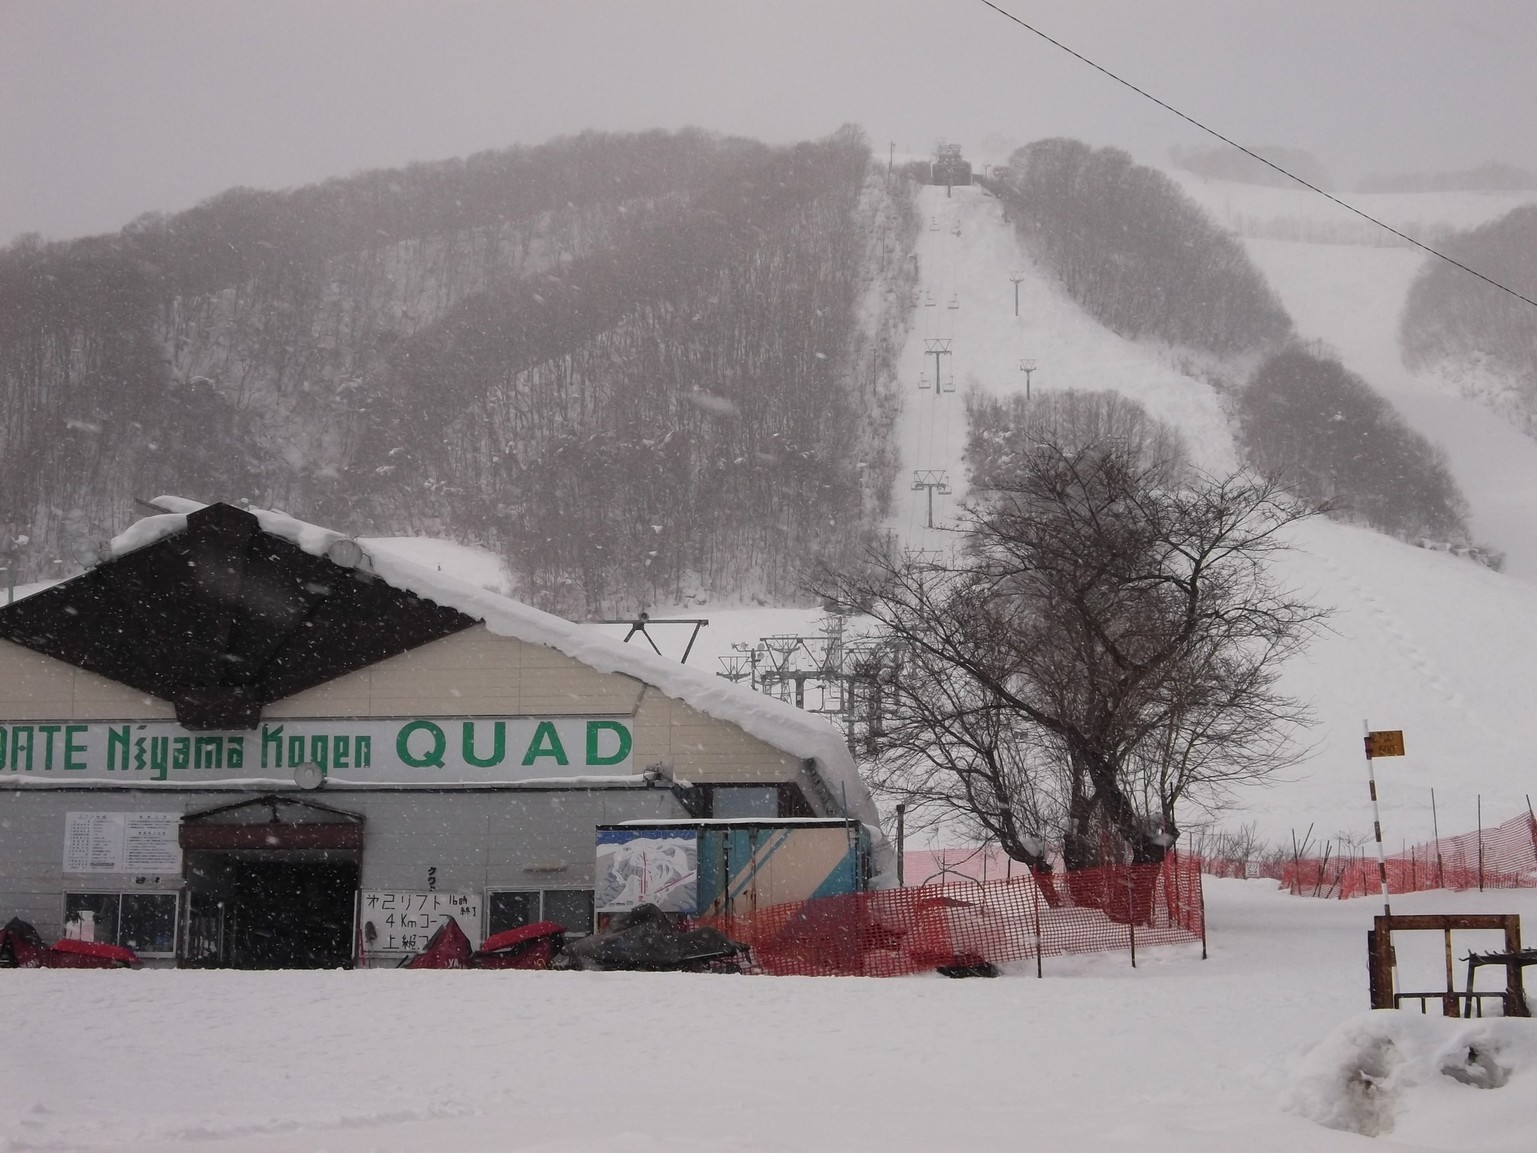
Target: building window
514, 908
756, 802
728, 801
143, 922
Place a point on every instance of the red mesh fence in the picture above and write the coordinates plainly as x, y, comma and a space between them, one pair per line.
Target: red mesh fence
894, 932
1504, 857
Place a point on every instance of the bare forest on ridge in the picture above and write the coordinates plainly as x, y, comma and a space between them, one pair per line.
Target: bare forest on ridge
639, 367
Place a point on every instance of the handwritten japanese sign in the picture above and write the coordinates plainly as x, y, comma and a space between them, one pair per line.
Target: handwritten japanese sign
403, 921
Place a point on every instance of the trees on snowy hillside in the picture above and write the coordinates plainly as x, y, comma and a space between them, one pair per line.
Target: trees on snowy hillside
1336, 442
638, 366
1136, 252
1102, 649
1470, 328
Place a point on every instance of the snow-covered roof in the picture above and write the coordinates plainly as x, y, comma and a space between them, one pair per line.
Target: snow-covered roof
773, 721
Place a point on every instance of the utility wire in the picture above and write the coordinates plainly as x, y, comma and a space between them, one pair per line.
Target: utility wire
1251, 153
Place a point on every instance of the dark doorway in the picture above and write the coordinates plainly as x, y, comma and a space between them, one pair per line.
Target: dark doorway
255, 910
294, 914
272, 883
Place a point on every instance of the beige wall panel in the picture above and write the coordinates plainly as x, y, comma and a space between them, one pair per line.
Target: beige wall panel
702, 749
470, 673
35, 687
100, 699
389, 681
329, 700
473, 648
568, 691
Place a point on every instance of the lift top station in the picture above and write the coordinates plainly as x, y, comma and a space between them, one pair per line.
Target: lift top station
949, 167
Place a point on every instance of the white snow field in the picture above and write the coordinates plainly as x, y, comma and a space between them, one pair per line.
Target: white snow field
1267, 1047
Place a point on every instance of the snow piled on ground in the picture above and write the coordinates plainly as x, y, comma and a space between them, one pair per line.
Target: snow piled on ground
1264, 1047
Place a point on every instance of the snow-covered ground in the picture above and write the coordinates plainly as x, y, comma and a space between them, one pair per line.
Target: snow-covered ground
1259, 1048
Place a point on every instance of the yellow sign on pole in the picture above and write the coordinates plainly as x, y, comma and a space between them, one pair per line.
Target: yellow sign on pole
1385, 743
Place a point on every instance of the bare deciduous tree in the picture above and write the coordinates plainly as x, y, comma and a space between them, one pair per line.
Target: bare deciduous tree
1103, 652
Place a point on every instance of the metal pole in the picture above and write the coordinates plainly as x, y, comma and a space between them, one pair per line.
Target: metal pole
1480, 842
1035, 891
1200, 882
1435, 827
901, 842
1131, 916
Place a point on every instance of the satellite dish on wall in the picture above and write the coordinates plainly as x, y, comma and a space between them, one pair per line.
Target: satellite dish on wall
345, 552
309, 776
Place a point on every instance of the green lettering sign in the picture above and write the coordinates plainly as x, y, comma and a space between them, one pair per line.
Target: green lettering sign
74, 749
546, 743
619, 729
434, 755
498, 745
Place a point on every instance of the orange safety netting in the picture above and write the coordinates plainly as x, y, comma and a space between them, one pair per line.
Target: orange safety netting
894, 932
1504, 857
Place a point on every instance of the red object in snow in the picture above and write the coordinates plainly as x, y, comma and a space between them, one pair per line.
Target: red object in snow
448, 948
22, 948
528, 947
72, 954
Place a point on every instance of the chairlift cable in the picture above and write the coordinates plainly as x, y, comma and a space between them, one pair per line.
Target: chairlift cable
1421, 245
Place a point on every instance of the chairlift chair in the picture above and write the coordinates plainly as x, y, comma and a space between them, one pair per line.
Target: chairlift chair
949, 384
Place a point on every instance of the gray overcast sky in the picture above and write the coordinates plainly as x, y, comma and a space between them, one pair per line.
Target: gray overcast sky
110, 108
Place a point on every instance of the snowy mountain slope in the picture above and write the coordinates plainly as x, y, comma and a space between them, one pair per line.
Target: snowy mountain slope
1423, 641
966, 254
1350, 297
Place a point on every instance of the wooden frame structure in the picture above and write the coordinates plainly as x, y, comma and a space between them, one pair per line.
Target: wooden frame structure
1379, 949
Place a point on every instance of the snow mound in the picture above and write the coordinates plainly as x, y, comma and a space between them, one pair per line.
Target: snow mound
1388, 1071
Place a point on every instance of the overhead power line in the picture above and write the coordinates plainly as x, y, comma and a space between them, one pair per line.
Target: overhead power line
1421, 245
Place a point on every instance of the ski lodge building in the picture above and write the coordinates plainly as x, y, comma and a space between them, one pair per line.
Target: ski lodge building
242, 741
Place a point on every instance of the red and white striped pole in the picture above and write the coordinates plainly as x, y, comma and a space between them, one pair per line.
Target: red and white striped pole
1388, 743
